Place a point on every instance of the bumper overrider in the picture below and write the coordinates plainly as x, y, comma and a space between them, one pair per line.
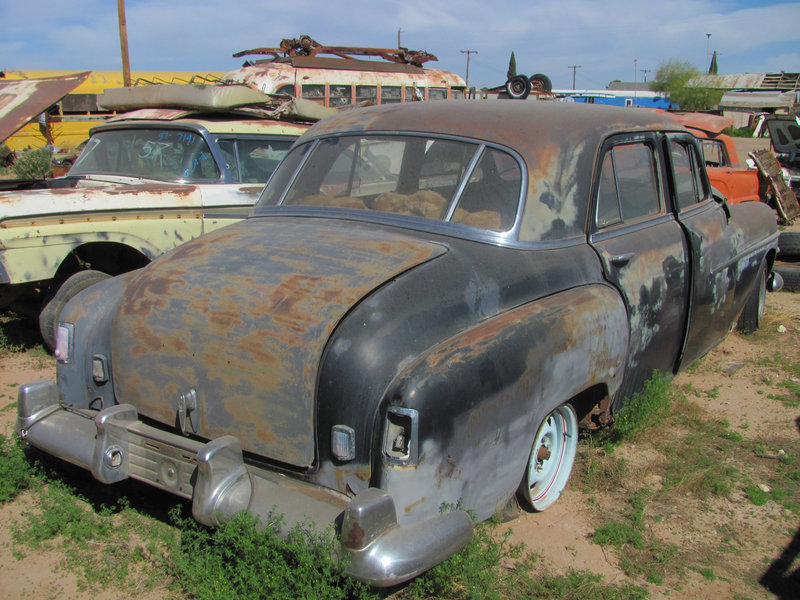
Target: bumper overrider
115, 445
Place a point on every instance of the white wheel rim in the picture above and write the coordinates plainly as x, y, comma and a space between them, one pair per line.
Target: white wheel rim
552, 457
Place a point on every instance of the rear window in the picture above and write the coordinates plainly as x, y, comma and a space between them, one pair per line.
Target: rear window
441, 179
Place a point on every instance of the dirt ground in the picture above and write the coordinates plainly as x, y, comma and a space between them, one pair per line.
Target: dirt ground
562, 535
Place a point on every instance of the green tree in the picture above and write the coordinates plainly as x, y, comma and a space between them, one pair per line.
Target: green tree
679, 80
512, 66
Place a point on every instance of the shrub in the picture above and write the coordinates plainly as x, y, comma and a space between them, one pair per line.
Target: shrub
34, 164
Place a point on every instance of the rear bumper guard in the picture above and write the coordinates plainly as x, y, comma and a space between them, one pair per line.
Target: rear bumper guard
113, 444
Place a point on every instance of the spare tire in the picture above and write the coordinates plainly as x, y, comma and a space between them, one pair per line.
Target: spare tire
791, 275
789, 245
541, 83
518, 87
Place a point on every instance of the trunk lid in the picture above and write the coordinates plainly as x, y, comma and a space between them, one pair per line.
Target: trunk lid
239, 320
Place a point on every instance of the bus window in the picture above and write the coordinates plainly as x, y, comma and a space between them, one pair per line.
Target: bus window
390, 94
437, 94
367, 92
285, 90
414, 93
314, 92
341, 95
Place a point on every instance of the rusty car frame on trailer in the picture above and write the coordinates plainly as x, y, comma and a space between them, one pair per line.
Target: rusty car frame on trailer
425, 302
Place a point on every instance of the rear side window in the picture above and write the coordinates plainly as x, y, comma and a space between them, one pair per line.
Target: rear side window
689, 186
629, 187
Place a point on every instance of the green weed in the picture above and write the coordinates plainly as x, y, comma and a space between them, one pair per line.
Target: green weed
16, 473
756, 495
245, 559
644, 409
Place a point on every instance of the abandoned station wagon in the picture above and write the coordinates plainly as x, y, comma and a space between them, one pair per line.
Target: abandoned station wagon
425, 302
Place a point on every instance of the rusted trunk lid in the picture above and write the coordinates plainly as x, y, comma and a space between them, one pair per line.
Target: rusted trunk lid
242, 319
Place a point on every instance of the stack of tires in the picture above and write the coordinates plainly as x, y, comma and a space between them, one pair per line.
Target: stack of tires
788, 260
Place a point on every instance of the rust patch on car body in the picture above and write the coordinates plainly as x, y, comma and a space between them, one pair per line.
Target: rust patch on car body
246, 327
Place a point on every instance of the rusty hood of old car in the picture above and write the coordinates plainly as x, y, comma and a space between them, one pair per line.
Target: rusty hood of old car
226, 336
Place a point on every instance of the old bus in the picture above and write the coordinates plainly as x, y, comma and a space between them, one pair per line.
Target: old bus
296, 69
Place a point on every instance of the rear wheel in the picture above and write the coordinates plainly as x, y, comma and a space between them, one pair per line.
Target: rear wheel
48, 317
750, 319
551, 459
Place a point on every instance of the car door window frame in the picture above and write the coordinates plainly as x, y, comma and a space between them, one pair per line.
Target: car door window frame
650, 141
702, 186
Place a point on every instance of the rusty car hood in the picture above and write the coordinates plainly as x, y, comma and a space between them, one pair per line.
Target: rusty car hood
240, 321
22, 99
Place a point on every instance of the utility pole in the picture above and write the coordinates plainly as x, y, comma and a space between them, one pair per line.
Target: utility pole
635, 82
468, 52
574, 70
399, 45
645, 71
123, 42
708, 41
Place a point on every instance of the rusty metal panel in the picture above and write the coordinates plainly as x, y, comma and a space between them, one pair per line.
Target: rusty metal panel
242, 318
21, 101
519, 380
704, 121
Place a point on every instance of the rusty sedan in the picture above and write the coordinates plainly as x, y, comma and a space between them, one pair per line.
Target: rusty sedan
424, 304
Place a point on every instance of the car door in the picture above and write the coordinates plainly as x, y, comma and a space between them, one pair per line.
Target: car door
644, 252
710, 234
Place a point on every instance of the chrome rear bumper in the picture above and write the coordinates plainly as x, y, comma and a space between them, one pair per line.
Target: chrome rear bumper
115, 445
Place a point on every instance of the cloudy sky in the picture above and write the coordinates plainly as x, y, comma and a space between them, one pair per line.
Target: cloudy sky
602, 37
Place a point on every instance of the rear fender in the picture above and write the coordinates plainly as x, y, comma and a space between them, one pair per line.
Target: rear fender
477, 399
88, 317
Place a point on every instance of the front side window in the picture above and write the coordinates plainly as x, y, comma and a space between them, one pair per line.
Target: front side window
433, 178
165, 154
714, 154
257, 158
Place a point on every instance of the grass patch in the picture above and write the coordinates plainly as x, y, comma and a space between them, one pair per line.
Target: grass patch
756, 495
643, 410
16, 473
244, 561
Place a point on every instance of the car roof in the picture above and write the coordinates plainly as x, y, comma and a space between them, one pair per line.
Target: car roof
218, 123
559, 143
521, 125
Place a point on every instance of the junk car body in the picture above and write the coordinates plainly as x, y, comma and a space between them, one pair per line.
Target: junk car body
145, 182
424, 303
